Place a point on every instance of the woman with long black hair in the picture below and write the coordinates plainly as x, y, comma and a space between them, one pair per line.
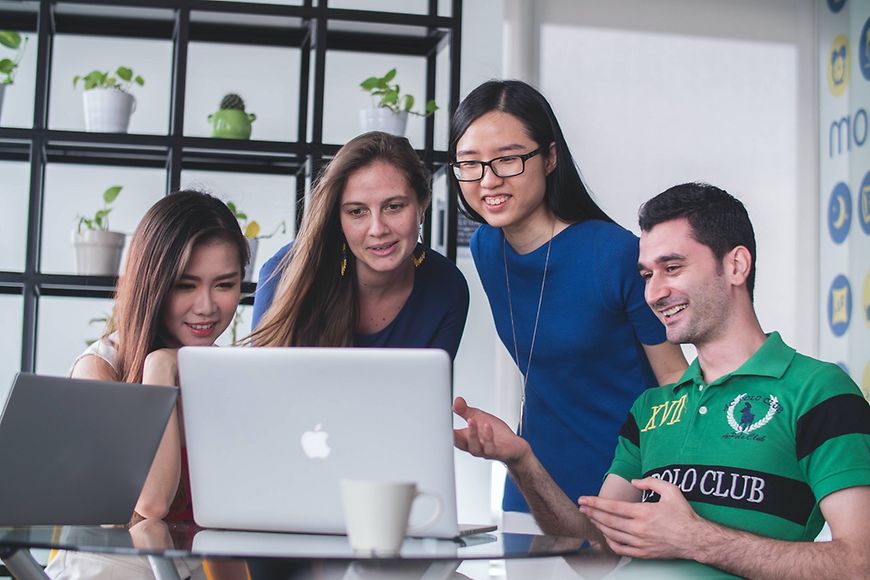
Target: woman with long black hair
562, 283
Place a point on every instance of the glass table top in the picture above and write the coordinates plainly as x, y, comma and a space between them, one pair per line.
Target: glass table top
155, 537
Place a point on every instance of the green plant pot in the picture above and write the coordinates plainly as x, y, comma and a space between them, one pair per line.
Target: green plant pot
231, 124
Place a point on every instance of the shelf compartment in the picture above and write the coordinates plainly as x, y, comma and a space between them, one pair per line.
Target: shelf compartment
129, 21
423, 21
14, 150
107, 149
203, 153
380, 43
253, 29
72, 285
20, 16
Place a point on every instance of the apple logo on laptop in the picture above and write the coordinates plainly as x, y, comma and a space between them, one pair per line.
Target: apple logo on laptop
314, 443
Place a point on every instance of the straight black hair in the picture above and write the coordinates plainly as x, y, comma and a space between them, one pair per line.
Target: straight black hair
718, 219
566, 194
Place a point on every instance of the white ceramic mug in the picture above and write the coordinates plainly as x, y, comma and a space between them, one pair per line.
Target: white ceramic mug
376, 514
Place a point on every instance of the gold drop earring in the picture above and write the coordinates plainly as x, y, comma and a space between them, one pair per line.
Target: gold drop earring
343, 267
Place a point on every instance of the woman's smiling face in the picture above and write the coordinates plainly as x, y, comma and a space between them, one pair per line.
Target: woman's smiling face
204, 299
505, 202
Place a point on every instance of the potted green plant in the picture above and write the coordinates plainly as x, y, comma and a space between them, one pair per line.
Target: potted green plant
13, 40
107, 99
231, 121
390, 108
98, 250
253, 235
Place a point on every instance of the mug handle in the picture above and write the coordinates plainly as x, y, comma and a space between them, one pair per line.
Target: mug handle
133, 110
432, 518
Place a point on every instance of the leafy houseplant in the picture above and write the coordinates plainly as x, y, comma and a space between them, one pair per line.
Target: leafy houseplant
100, 220
107, 99
13, 40
390, 108
231, 121
251, 230
104, 80
98, 250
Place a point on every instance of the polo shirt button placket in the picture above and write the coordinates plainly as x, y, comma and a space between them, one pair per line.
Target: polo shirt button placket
695, 431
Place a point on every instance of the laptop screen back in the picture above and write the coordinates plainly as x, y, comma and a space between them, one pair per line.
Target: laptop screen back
77, 451
271, 431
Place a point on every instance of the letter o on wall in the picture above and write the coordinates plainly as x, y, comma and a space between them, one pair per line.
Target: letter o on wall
861, 138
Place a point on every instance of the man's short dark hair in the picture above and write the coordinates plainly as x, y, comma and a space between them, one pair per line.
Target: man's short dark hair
718, 219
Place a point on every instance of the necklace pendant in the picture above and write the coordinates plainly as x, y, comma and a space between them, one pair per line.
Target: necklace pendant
507, 280
522, 413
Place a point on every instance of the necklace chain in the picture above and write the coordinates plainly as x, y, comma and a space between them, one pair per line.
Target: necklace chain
534, 328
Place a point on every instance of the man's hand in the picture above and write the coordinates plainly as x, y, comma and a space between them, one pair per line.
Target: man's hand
665, 529
487, 436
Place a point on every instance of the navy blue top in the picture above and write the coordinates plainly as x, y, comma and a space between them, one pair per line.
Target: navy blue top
433, 317
588, 364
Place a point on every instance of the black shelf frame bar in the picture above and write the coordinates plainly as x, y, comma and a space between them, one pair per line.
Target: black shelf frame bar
305, 27
30, 288
455, 58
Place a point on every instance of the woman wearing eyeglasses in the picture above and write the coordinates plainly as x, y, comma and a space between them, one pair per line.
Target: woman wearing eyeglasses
562, 283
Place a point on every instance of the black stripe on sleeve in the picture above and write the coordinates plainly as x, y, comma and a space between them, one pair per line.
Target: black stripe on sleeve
839, 415
630, 431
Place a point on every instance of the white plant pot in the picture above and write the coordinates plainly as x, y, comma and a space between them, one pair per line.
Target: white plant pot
383, 119
98, 253
108, 110
253, 244
2, 90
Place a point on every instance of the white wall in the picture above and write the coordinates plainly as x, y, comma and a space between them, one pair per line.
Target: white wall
474, 369
661, 93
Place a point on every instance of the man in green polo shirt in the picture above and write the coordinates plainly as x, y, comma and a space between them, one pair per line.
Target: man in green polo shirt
739, 463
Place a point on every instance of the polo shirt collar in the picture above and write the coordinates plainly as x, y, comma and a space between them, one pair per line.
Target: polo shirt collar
771, 360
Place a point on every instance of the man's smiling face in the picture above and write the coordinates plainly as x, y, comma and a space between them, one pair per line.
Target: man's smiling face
685, 283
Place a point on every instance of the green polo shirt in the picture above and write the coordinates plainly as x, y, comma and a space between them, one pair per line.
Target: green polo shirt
756, 449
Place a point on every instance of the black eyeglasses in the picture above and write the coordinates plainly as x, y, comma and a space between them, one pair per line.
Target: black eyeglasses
507, 166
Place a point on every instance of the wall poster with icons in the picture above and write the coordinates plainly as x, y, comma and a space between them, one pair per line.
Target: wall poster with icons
844, 185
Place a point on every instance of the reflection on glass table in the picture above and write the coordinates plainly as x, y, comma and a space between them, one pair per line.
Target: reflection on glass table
152, 548
301, 555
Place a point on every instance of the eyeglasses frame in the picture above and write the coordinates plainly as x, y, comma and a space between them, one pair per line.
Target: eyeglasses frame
484, 164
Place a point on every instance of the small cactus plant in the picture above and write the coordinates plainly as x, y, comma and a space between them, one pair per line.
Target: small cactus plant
231, 121
233, 101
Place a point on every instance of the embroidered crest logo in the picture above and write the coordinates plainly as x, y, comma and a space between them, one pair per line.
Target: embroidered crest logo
746, 421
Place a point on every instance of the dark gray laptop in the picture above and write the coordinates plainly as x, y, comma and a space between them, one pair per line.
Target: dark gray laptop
77, 451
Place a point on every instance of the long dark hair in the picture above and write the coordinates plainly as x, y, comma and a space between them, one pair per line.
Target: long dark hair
566, 194
159, 252
314, 305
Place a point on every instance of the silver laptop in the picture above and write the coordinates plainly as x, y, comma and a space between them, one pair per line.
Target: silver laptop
271, 432
77, 451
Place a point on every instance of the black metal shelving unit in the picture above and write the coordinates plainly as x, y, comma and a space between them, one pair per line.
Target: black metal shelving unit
312, 27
